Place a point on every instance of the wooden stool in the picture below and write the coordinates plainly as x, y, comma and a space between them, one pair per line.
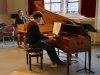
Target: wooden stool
34, 52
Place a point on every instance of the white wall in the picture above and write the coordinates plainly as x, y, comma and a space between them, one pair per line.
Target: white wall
3, 10
98, 15
14, 5
8, 7
97, 22
3, 7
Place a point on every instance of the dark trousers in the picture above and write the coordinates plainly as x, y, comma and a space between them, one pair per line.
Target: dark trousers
50, 51
21, 38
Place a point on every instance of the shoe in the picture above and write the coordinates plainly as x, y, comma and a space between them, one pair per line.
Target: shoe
62, 63
53, 65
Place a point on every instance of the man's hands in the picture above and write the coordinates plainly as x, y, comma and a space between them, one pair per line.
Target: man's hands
51, 37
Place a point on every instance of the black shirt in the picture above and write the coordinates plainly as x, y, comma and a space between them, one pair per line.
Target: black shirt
34, 34
20, 21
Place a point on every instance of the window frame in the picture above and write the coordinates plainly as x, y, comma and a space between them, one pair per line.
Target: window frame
68, 2
54, 3
73, 2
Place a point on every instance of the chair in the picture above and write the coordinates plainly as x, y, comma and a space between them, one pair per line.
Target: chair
8, 35
33, 52
8, 32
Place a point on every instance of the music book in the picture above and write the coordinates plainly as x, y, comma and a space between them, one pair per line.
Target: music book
56, 28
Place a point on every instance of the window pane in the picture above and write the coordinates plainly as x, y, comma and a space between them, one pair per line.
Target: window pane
47, 7
73, 6
55, 0
72, 0
55, 7
46, 1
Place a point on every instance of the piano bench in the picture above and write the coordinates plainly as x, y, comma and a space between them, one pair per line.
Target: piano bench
34, 52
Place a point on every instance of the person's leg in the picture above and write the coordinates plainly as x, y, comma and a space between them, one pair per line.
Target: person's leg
50, 50
21, 39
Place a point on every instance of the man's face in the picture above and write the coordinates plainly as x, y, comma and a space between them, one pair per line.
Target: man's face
39, 19
21, 13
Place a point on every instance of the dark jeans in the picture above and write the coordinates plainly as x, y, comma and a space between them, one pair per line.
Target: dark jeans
50, 51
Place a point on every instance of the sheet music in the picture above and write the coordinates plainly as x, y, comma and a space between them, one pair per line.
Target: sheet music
41, 21
56, 28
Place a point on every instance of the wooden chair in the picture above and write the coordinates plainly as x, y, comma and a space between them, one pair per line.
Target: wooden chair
33, 52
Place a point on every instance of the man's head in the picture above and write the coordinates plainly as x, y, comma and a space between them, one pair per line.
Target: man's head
20, 12
37, 16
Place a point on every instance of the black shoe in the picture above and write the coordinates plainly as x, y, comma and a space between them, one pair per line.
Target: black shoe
62, 63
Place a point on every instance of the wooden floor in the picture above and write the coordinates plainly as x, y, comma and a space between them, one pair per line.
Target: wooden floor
13, 62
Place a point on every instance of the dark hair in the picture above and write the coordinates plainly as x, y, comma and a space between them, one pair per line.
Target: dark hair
19, 11
37, 15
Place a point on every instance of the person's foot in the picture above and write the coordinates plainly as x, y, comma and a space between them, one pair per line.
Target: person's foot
62, 63
53, 65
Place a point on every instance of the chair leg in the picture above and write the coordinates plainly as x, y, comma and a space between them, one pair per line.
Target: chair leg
3, 40
30, 62
42, 60
37, 58
9, 38
70, 59
13, 39
26, 57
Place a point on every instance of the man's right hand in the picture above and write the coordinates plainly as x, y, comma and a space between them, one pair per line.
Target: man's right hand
51, 38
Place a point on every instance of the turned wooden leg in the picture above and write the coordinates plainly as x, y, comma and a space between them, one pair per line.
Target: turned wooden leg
18, 40
24, 40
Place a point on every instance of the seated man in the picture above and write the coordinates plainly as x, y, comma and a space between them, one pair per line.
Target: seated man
20, 19
37, 39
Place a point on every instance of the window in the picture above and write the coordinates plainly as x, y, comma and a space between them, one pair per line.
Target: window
53, 5
73, 5
56, 5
